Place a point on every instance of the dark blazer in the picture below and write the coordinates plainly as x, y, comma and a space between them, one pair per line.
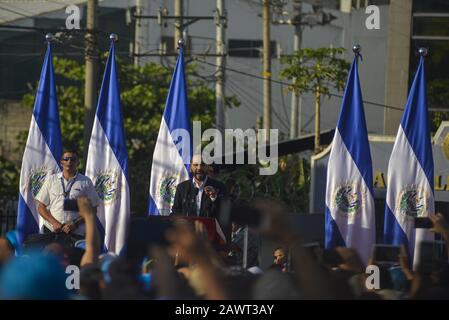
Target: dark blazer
185, 204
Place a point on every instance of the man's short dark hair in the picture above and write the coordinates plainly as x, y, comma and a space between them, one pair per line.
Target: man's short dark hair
70, 149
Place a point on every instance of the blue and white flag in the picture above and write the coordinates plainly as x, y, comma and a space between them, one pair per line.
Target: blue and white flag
173, 149
410, 191
107, 160
350, 214
42, 152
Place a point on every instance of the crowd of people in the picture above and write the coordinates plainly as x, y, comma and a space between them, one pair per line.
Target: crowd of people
188, 264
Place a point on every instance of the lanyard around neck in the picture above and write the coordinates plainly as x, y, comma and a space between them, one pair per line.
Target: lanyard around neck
69, 186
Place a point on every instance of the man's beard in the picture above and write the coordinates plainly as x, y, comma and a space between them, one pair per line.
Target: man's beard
199, 176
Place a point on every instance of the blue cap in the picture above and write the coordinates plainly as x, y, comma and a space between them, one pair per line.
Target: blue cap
33, 276
81, 244
11, 236
145, 280
105, 262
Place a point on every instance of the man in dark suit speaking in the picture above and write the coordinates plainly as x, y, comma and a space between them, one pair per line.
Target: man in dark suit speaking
200, 196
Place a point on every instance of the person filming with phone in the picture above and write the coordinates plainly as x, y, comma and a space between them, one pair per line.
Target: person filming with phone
57, 199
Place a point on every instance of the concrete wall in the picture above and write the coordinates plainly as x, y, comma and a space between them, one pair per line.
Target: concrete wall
397, 73
244, 22
381, 81
14, 118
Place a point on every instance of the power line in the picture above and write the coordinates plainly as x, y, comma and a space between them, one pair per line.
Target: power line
196, 58
286, 83
254, 98
16, 12
275, 100
247, 101
284, 108
240, 89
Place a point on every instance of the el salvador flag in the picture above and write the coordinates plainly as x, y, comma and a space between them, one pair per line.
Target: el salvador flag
410, 191
171, 158
350, 214
42, 152
107, 160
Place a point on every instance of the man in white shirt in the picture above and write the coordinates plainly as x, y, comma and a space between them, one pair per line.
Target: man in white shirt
57, 197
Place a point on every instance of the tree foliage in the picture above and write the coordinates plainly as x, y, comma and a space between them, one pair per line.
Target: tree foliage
438, 97
315, 71
143, 93
312, 70
9, 179
290, 184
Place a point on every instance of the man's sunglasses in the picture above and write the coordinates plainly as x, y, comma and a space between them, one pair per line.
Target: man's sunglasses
69, 158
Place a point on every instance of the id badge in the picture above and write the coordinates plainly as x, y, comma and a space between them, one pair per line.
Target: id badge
70, 205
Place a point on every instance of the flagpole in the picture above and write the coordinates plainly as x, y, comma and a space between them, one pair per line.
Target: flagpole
113, 37
174, 122
413, 145
357, 49
349, 215
49, 38
181, 44
42, 151
423, 52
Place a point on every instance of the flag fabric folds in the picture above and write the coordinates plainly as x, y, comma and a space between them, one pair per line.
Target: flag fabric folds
42, 152
350, 213
410, 190
107, 160
173, 149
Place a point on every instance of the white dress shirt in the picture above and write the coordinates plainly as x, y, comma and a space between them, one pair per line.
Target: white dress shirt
52, 196
199, 195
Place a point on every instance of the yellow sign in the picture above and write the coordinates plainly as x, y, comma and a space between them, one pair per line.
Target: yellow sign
379, 182
266, 74
445, 146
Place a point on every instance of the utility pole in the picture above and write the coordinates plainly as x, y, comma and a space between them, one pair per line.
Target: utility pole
317, 120
220, 121
295, 115
142, 26
91, 57
266, 56
178, 22
181, 22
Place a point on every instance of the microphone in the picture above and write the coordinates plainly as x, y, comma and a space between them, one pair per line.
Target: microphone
192, 201
195, 192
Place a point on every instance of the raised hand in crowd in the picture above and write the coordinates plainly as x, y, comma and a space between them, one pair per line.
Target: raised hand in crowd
440, 225
92, 238
191, 247
404, 263
166, 279
312, 280
351, 260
